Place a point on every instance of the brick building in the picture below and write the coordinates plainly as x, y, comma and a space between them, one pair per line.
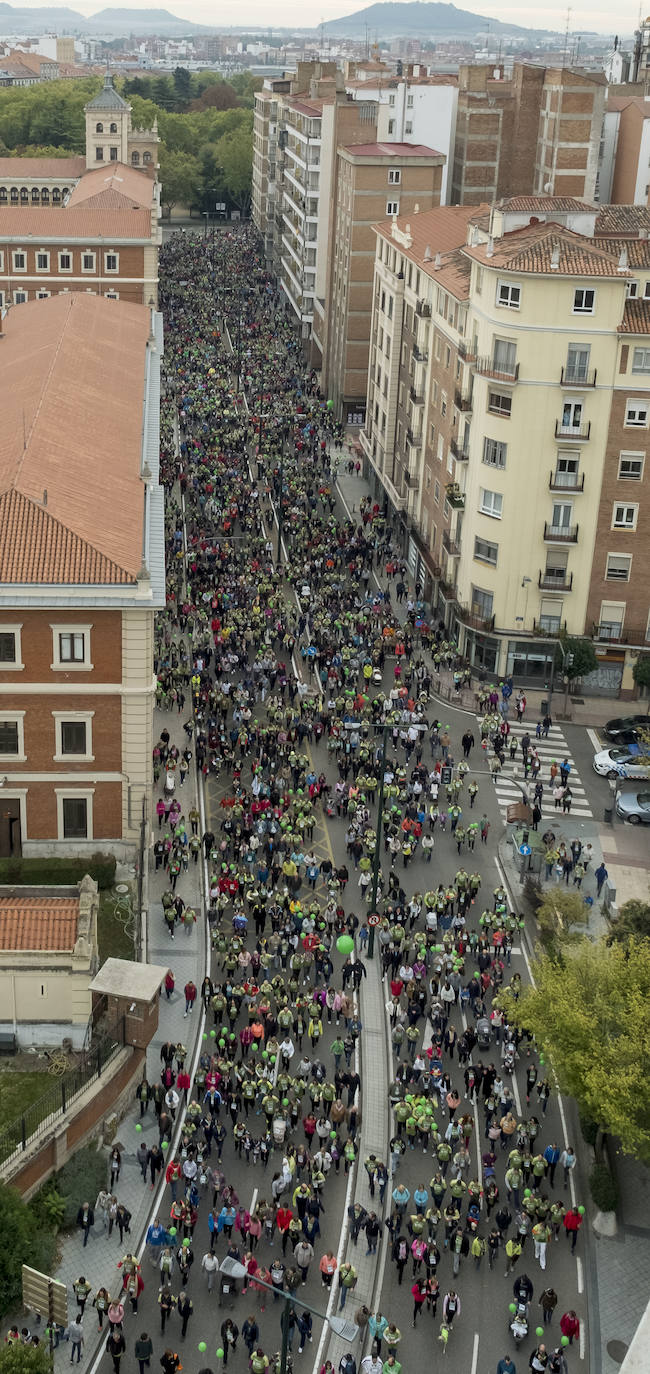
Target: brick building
81, 573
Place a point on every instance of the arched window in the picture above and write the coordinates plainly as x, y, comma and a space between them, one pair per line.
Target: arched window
99, 128
135, 159
113, 128
56, 195
35, 195
3, 195
45, 196
24, 195
13, 195
64, 192
146, 157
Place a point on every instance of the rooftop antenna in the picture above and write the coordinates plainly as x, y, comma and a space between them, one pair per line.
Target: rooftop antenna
565, 54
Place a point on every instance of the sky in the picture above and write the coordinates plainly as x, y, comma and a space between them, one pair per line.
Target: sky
592, 14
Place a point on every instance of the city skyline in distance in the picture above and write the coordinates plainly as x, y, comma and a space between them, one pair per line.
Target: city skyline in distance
593, 15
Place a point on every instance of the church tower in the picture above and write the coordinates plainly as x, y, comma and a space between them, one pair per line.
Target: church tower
108, 125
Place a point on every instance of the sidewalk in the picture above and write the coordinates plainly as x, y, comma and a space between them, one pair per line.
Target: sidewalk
186, 956
592, 713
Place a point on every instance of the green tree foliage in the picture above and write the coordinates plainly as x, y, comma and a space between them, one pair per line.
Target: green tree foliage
641, 671
180, 179
25, 1243
182, 88
589, 1011
25, 1359
633, 920
580, 658
236, 155
558, 912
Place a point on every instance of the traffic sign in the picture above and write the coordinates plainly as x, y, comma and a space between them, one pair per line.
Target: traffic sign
374, 918
524, 849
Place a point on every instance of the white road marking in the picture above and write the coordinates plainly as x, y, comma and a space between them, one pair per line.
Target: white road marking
475, 1353
581, 1285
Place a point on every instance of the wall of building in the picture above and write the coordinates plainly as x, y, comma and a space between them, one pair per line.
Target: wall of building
626, 165
135, 279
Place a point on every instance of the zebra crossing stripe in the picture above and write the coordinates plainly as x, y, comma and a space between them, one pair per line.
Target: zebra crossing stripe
550, 749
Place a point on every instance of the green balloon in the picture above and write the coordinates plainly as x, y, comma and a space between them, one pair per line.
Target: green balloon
527, 1192
345, 944
564, 1340
273, 1059
265, 1054
222, 1044
164, 1145
202, 1347
255, 1047
332, 1135
172, 1230
186, 1243
213, 1034
205, 1035
512, 1307
220, 1353
539, 1331
581, 1211
138, 1127
285, 1101
330, 405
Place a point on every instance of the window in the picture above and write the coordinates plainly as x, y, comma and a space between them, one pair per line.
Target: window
65, 262
42, 262
632, 289
636, 414
391, 101
566, 471
485, 551
583, 301
482, 602
20, 297
12, 738
494, 453
2, 261
113, 154
111, 262
135, 159
71, 644
571, 415
43, 295
618, 567
20, 261
509, 295
392, 207
624, 517
562, 516
391, 126
10, 648
73, 734
504, 357
74, 815
409, 102
99, 128
88, 262
550, 620
394, 176
577, 363
113, 129
99, 154
499, 404
612, 615
491, 503
408, 127
630, 467
641, 360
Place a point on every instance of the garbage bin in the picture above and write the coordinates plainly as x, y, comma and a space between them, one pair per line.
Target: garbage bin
543, 708
608, 815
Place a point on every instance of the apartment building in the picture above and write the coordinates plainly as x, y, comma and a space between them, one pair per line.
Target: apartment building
372, 180
522, 489
313, 119
534, 132
414, 108
81, 573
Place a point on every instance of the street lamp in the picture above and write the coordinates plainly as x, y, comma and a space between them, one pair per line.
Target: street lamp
348, 1331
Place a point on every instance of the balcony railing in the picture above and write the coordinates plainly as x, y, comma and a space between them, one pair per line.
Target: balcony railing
473, 619
543, 630
449, 545
413, 438
567, 481
415, 396
580, 432
455, 496
460, 454
466, 351
577, 376
561, 534
412, 480
421, 355
612, 633
462, 402
423, 310
501, 372
555, 582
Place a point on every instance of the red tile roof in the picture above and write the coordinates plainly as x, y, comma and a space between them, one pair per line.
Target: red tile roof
545, 204
74, 222
71, 439
392, 150
636, 317
38, 923
444, 231
19, 169
127, 181
547, 249
622, 219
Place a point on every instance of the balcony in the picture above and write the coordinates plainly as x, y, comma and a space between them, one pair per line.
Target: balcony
462, 402
415, 439
465, 351
500, 373
449, 545
560, 534
415, 397
421, 355
473, 619
566, 481
460, 454
411, 480
423, 310
574, 432
613, 634
555, 582
455, 496
577, 376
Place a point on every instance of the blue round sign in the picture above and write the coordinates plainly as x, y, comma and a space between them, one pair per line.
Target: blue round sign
524, 849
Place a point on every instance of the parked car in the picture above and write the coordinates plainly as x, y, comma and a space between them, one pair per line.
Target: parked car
624, 761
633, 805
623, 730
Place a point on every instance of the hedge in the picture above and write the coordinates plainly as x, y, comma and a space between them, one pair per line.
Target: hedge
604, 1188
55, 872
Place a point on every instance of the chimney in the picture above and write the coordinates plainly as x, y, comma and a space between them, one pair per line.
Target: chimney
622, 262
555, 259
489, 252
427, 253
437, 262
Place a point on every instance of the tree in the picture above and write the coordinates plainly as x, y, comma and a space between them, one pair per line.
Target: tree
25, 1359
236, 158
30, 1243
218, 96
589, 1011
580, 658
633, 920
641, 671
182, 87
179, 178
557, 913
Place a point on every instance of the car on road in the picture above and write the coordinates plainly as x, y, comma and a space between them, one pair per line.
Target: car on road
623, 761
624, 729
633, 805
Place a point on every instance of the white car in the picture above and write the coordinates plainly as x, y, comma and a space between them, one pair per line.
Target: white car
624, 761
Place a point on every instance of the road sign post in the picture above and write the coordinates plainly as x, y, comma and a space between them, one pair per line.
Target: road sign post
47, 1297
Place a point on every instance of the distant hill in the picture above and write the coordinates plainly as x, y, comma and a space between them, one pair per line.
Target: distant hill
56, 19
419, 20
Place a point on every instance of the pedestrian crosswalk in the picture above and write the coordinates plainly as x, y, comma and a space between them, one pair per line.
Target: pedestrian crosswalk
511, 779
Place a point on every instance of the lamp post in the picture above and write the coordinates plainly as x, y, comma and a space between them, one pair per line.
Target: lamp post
348, 1331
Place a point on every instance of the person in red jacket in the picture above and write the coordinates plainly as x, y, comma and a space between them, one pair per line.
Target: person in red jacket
282, 1218
190, 996
570, 1326
572, 1224
183, 1082
172, 1176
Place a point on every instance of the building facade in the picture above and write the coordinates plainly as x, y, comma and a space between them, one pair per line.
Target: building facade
110, 136
532, 379
372, 180
81, 573
48, 957
414, 108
